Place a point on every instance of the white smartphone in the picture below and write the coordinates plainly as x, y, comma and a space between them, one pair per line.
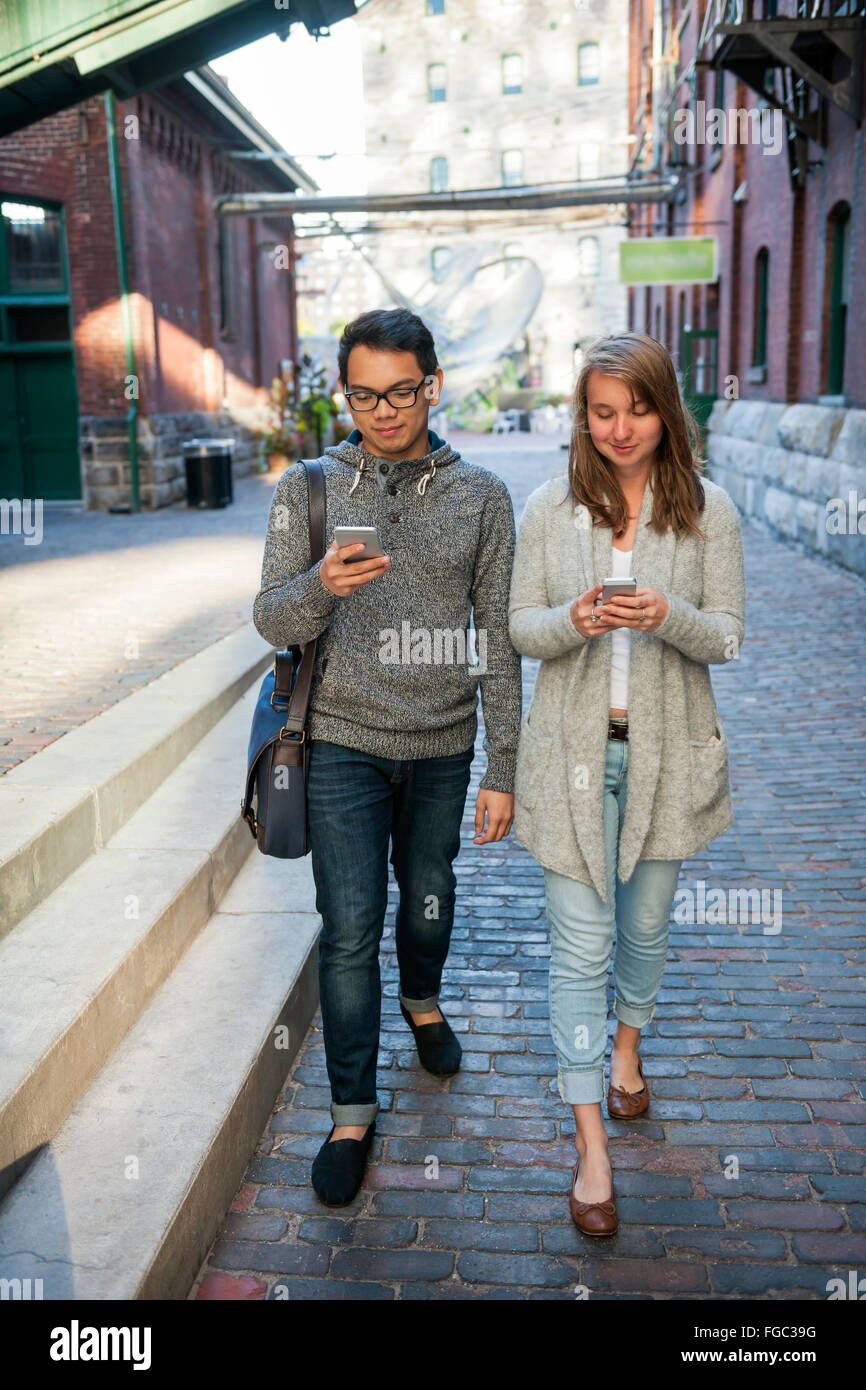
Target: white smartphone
350, 535
619, 585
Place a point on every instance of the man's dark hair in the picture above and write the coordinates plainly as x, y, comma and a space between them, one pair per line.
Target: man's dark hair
394, 330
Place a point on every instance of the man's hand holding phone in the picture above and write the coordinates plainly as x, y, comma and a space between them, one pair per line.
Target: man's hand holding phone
342, 578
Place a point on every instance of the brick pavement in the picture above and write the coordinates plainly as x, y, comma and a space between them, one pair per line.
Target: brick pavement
746, 1178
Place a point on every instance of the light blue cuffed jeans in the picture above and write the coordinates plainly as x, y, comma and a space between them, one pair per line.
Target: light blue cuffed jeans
581, 940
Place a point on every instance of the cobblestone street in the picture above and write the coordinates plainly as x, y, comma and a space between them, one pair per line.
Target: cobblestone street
745, 1179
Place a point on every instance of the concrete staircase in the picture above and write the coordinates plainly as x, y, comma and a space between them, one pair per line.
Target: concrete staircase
157, 975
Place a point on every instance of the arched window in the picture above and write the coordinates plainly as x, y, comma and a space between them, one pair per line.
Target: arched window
512, 168
512, 73
436, 82
588, 255
839, 238
588, 63
759, 313
439, 174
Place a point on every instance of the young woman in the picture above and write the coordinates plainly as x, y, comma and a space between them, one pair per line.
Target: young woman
622, 767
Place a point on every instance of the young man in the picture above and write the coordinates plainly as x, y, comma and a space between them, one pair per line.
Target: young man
392, 719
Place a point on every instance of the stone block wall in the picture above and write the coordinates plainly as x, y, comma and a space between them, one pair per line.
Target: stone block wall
799, 469
162, 480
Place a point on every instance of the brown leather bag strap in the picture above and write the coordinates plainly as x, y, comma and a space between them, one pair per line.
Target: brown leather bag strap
300, 695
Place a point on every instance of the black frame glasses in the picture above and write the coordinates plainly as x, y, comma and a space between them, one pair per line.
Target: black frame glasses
386, 395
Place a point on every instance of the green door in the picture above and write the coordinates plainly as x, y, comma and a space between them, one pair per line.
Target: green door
11, 460
699, 362
39, 455
39, 427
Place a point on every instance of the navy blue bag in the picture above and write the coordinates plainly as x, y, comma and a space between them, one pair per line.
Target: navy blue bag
274, 804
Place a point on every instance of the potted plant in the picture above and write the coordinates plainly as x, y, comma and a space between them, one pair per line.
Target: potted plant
280, 437
316, 409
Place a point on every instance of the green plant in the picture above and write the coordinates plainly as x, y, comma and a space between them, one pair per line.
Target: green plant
281, 434
315, 407
477, 411
301, 411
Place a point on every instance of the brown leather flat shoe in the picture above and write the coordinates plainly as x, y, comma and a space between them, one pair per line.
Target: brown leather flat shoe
592, 1218
627, 1105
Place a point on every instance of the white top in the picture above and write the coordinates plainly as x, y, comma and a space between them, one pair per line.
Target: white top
620, 640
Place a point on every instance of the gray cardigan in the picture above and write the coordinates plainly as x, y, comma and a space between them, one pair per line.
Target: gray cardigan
678, 792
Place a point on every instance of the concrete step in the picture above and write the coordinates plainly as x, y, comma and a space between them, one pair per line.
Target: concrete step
125, 1201
76, 973
66, 802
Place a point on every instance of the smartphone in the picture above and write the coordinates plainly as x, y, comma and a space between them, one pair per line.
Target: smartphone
615, 586
350, 535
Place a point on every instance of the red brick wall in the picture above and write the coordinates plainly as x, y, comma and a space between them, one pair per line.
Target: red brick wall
793, 229
170, 174
64, 157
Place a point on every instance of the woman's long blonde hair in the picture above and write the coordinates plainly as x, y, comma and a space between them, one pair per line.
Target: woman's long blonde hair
678, 495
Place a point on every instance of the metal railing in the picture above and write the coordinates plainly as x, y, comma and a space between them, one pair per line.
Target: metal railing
742, 11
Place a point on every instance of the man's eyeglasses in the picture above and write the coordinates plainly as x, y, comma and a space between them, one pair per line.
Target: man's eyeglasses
398, 396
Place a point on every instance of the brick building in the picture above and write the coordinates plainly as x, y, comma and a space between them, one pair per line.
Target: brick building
211, 315
775, 340
463, 94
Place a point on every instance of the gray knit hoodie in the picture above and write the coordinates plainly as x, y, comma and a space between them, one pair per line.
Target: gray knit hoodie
390, 676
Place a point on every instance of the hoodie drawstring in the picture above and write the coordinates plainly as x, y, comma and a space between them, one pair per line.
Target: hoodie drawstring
358, 471
421, 484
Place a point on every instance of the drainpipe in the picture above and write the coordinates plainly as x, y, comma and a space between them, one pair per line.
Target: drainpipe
125, 311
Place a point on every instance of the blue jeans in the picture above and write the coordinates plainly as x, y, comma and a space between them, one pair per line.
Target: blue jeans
356, 803
581, 939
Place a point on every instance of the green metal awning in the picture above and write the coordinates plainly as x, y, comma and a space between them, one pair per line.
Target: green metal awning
57, 52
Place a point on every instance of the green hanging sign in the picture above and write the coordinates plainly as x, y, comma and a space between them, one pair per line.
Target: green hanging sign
685, 260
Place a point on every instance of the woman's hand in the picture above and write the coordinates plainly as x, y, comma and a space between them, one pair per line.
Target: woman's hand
582, 609
646, 609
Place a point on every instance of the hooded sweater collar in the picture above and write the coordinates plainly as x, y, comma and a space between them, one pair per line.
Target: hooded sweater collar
352, 451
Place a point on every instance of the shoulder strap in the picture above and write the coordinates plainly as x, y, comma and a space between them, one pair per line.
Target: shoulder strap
300, 693
316, 508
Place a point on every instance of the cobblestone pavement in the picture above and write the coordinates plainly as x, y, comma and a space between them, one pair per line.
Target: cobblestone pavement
746, 1177
106, 603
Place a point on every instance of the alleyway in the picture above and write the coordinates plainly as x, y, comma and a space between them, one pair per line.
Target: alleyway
746, 1178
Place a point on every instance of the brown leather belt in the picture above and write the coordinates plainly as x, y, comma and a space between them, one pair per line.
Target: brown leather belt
618, 729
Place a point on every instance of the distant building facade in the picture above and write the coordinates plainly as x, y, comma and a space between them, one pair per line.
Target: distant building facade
464, 94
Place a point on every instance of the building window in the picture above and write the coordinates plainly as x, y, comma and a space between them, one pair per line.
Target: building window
33, 244
435, 6
759, 317
439, 174
512, 168
439, 258
840, 282
512, 251
436, 82
587, 63
587, 160
588, 255
512, 74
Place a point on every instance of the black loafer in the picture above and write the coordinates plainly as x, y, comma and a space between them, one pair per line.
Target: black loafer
338, 1168
439, 1052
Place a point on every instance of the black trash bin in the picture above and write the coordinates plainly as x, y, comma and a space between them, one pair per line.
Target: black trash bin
208, 464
